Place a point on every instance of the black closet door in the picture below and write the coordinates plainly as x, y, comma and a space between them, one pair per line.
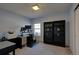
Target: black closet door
48, 32
54, 33
59, 33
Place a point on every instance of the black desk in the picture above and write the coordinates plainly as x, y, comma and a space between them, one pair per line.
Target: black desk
6, 47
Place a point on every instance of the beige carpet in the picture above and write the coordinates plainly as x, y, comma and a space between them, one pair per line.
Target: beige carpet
43, 49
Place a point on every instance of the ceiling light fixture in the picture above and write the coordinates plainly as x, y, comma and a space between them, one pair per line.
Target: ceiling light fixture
35, 7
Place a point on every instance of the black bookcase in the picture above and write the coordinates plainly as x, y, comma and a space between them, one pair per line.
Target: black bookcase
54, 33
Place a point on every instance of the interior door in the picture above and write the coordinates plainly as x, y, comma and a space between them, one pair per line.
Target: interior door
59, 33
48, 32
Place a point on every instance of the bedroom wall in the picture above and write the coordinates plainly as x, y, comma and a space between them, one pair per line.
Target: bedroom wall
12, 22
72, 29
53, 17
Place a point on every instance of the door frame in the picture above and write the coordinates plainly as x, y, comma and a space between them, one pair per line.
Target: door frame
76, 7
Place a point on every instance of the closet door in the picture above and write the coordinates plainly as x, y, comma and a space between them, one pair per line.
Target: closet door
48, 32
59, 33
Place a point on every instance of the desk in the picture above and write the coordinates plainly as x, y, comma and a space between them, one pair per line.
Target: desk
24, 39
28, 40
6, 47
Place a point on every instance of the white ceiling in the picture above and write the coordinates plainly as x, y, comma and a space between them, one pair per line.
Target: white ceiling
25, 9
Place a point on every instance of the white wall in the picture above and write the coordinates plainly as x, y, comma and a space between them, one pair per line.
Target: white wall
77, 30
11, 21
72, 29
53, 17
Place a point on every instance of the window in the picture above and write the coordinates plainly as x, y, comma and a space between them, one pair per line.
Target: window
37, 29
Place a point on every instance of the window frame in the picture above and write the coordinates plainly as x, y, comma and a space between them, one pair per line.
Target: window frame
39, 28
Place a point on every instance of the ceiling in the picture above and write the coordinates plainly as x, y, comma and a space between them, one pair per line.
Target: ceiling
25, 9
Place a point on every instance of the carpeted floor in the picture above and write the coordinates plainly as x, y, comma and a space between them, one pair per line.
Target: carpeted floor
43, 49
